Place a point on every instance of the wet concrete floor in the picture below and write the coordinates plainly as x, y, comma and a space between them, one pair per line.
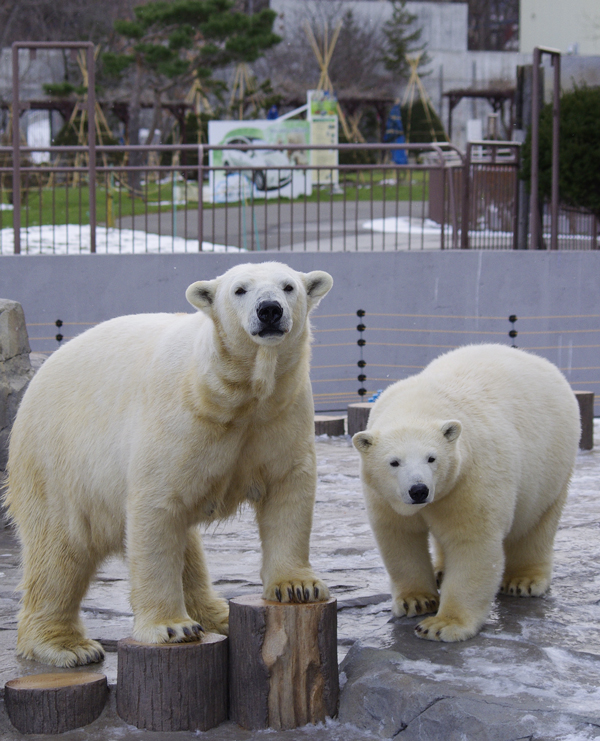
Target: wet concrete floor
563, 627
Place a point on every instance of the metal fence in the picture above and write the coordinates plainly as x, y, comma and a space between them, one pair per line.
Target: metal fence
155, 205
440, 200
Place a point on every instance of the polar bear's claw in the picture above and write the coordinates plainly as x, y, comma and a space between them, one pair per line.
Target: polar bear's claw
525, 586
415, 604
64, 652
175, 632
444, 629
297, 591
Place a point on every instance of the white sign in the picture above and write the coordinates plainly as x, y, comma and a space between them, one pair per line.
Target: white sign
257, 173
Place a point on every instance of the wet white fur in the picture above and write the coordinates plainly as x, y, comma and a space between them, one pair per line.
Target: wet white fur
503, 427
144, 426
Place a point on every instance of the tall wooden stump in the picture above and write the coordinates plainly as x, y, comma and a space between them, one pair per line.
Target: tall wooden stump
358, 416
55, 703
585, 399
173, 686
283, 670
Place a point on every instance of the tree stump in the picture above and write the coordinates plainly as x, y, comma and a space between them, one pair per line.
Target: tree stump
173, 686
55, 703
283, 670
330, 425
585, 399
358, 416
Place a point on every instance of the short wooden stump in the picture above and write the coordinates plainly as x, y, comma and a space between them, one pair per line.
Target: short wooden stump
55, 703
330, 425
283, 670
173, 686
358, 416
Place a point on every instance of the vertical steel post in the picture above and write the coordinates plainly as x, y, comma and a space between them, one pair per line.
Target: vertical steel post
535, 220
91, 103
555, 150
200, 201
464, 229
535, 153
16, 131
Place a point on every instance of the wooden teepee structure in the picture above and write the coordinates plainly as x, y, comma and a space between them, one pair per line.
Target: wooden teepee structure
323, 53
415, 87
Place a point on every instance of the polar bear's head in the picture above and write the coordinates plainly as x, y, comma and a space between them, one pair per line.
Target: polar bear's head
265, 302
410, 466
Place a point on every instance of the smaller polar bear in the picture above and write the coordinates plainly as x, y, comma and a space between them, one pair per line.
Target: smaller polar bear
477, 450
145, 426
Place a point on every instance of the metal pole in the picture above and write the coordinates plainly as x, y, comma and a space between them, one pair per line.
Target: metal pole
91, 103
200, 203
16, 178
464, 229
535, 154
555, 151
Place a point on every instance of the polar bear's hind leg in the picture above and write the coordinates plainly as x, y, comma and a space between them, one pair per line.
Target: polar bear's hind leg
528, 568
56, 575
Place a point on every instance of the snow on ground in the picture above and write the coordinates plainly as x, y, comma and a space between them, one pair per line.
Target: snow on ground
74, 239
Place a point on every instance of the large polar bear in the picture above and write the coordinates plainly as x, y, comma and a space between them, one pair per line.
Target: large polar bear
144, 426
476, 450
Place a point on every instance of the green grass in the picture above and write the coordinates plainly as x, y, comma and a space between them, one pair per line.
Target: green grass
62, 205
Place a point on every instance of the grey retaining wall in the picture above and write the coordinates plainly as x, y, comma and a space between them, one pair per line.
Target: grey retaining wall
417, 304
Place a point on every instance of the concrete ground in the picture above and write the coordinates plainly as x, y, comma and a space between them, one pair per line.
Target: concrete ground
532, 673
298, 227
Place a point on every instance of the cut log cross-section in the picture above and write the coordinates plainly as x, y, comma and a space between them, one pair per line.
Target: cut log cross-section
173, 686
283, 670
55, 703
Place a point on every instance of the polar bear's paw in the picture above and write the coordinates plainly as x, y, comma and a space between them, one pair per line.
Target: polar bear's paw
532, 585
213, 615
419, 603
449, 629
297, 590
64, 652
172, 631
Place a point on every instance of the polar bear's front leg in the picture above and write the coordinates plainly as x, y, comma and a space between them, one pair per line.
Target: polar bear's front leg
472, 573
402, 542
201, 601
284, 517
156, 543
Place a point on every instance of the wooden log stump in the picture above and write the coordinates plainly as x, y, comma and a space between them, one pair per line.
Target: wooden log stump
283, 670
173, 686
585, 399
55, 703
328, 425
358, 416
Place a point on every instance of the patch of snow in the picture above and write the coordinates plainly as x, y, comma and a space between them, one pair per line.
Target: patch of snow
74, 239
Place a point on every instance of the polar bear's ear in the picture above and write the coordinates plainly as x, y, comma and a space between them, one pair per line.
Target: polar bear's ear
363, 441
451, 430
317, 284
202, 294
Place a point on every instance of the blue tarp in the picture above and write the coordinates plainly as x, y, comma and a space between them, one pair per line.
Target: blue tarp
394, 132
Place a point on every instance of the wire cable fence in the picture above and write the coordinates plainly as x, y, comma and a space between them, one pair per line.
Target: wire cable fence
395, 346
376, 349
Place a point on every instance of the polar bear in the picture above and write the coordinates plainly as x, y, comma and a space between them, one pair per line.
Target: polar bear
143, 427
477, 451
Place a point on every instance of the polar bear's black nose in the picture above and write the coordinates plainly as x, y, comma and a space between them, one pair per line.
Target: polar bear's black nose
269, 312
418, 493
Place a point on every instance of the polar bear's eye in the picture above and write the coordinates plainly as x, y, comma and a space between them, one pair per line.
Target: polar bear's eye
395, 463
431, 459
240, 291
288, 288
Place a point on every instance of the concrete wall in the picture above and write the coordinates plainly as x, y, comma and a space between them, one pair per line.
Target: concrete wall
418, 304
572, 27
